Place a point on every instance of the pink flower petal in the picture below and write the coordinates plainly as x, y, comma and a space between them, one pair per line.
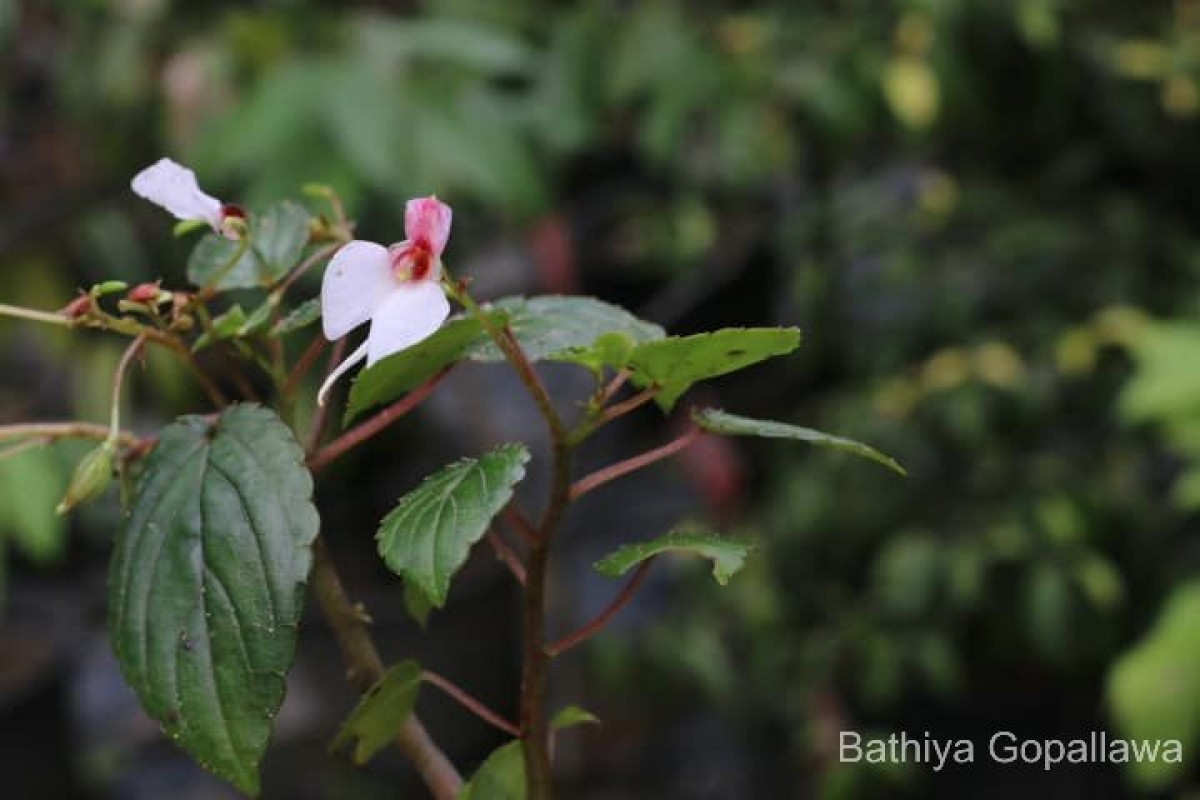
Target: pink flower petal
427, 222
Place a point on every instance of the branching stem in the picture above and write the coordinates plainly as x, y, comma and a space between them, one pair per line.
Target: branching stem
471, 704
597, 624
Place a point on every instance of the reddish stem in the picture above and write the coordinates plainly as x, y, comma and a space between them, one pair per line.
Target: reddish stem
516, 518
471, 704
592, 628
613, 387
614, 471
304, 364
356, 436
506, 554
321, 414
625, 406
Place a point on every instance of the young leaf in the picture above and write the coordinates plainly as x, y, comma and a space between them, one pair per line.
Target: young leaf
277, 238
727, 555
206, 585
550, 325
380, 712
226, 326
675, 363
300, 317
409, 368
571, 716
500, 777
428, 535
716, 421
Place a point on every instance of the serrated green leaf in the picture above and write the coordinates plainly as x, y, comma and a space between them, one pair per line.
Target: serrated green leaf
571, 716
500, 777
300, 317
428, 535
727, 555
31, 484
277, 238
381, 711
206, 585
677, 362
725, 424
398, 373
550, 325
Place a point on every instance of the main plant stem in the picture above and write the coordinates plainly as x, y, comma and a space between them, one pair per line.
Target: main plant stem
364, 668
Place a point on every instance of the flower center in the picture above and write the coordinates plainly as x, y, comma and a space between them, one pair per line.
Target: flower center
413, 262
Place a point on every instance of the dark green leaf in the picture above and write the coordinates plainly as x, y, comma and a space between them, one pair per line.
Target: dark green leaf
727, 555
381, 711
428, 535
300, 317
398, 373
277, 238
500, 777
549, 325
206, 585
677, 362
716, 421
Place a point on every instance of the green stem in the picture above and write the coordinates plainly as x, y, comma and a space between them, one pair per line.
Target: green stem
50, 317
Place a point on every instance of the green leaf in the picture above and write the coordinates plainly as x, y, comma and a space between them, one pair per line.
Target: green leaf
31, 484
300, 317
727, 555
417, 603
400, 372
677, 362
225, 326
381, 711
611, 350
1154, 688
427, 537
717, 421
550, 325
277, 238
500, 777
206, 585
571, 716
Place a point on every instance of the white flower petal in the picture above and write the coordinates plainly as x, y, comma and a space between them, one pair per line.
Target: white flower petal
174, 187
352, 359
411, 313
357, 280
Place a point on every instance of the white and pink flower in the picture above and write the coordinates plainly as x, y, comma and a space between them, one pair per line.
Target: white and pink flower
174, 187
397, 288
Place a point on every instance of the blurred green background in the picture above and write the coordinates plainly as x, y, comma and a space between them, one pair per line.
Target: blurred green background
982, 213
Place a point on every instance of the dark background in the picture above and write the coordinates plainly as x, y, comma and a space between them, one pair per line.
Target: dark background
982, 213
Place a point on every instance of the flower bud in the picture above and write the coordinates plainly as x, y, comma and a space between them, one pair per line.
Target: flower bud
91, 478
78, 307
146, 293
